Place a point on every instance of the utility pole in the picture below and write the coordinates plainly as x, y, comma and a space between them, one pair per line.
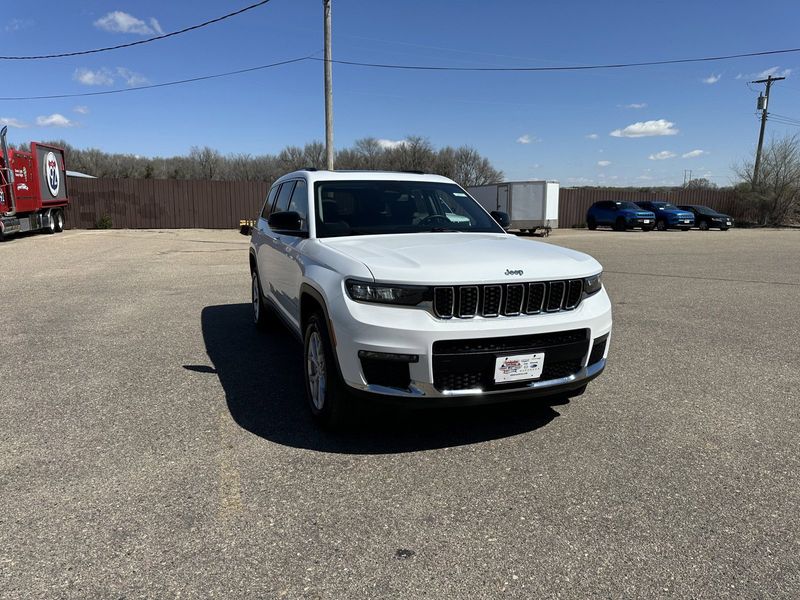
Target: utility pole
326, 4
763, 103
685, 180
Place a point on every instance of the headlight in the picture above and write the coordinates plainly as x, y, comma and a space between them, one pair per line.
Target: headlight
386, 293
592, 285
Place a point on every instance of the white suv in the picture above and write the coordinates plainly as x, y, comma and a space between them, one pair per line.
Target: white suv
403, 287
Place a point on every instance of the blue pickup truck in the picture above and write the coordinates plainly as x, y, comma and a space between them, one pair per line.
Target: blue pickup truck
620, 215
669, 216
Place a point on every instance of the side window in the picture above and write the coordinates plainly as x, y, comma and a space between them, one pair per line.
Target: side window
268, 204
299, 201
283, 197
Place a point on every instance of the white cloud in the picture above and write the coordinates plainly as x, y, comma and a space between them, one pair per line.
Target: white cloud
18, 24
122, 22
81, 110
644, 177
11, 122
390, 144
132, 79
774, 71
592, 136
694, 153
526, 139
54, 120
646, 129
635, 105
106, 76
89, 77
603, 163
663, 155
712, 78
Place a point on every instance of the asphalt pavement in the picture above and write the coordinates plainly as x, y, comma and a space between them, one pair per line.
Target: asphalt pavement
153, 444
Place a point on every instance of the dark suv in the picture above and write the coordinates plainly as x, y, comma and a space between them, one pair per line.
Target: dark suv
620, 215
669, 216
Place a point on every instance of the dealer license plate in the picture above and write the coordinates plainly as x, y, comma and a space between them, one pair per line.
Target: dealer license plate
646, 221
728, 223
687, 221
518, 368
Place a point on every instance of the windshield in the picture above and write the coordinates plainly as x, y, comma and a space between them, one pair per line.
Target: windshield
379, 207
664, 206
627, 206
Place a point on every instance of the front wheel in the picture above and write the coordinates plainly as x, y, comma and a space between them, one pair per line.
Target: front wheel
620, 225
703, 225
325, 391
591, 223
661, 225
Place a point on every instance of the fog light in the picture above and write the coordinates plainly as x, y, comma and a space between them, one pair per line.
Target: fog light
408, 358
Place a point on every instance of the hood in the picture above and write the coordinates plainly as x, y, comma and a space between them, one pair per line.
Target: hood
459, 258
639, 213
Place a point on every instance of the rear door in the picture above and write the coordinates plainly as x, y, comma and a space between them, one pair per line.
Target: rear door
269, 245
288, 266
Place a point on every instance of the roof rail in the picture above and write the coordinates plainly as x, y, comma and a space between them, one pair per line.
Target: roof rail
307, 169
414, 171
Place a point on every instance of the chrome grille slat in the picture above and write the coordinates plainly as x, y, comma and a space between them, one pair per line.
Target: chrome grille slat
512, 291
468, 296
443, 301
492, 300
555, 295
536, 295
507, 299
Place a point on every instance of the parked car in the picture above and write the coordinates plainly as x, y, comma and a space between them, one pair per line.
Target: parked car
620, 215
706, 218
402, 287
669, 216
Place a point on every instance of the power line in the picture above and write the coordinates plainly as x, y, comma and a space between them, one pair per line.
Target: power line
140, 42
783, 117
563, 68
160, 85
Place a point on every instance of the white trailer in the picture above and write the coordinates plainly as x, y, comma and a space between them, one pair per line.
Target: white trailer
531, 205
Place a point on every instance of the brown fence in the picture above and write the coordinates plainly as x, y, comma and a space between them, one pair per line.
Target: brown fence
163, 203
175, 204
574, 202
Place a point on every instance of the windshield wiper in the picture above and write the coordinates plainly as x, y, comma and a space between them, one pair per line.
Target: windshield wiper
442, 229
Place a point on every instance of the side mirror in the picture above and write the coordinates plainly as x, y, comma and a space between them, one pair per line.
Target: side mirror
246, 229
285, 221
502, 218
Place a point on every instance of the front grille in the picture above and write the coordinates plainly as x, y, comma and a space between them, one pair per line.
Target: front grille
469, 364
507, 299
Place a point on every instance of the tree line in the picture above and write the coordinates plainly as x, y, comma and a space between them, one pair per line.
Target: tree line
463, 164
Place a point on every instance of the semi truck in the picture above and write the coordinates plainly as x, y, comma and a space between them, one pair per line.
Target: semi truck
531, 205
33, 188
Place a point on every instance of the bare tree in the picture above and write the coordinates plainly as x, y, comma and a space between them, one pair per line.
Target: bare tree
207, 160
777, 192
700, 183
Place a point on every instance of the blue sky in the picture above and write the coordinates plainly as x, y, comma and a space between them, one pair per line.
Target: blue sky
530, 125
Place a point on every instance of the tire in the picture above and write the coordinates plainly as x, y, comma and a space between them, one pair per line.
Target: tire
620, 225
661, 225
58, 217
703, 225
591, 223
262, 316
326, 393
51, 228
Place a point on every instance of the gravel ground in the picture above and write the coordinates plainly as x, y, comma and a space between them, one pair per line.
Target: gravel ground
154, 445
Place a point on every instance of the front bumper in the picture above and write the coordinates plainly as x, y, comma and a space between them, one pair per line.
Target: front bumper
641, 222
412, 331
